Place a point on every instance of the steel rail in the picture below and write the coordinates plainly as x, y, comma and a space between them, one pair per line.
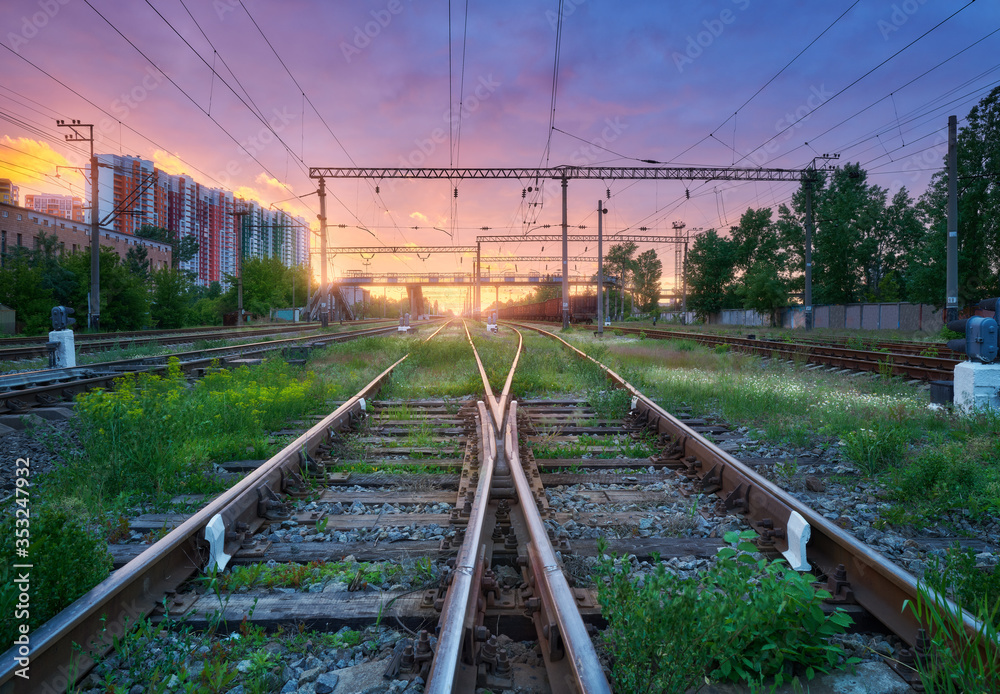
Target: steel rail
39, 349
498, 405
128, 334
745, 491
897, 363
460, 601
551, 582
138, 587
878, 585
22, 390
64, 648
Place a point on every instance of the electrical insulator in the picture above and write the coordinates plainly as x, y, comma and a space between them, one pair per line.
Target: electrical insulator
524, 193
609, 193
376, 190
687, 193
456, 191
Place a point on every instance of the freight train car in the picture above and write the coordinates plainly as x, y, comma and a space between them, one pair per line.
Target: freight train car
582, 309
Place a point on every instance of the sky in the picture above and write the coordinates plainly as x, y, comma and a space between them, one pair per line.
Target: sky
248, 94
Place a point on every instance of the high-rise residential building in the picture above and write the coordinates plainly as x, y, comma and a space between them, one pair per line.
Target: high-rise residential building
8, 192
65, 206
142, 194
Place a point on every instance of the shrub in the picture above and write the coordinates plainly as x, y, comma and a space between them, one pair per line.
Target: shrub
876, 448
155, 434
753, 619
957, 661
958, 576
67, 559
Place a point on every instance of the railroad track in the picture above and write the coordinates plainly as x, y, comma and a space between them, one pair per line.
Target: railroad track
906, 361
21, 392
13, 349
481, 491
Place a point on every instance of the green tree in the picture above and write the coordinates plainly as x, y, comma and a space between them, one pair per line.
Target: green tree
978, 145
22, 288
647, 273
34, 280
183, 249
137, 261
764, 261
124, 296
619, 262
169, 307
710, 271
266, 285
862, 241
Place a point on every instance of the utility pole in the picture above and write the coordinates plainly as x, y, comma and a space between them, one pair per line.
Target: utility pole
600, 266
94, 315
565, 255
951, 292
479, 272
808, 294
684, 277
239, 212
324, 289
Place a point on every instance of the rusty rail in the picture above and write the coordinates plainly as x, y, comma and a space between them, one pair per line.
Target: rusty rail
20, 394
459, 610
557, 619
569, 654
877, 584
203, 540
908, 364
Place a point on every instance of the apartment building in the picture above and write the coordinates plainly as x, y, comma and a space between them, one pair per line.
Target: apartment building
65, 206
224, 226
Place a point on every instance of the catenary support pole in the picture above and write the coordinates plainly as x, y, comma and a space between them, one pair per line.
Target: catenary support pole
95, 244
600, 267
807, 296
325, 289
565, 255
951, 290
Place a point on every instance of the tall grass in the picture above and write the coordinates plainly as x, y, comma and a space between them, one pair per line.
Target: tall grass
155, 435
931, 461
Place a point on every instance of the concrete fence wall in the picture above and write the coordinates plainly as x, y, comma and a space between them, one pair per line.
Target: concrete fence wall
888, 316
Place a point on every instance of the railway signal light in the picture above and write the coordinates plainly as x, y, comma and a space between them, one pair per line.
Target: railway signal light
61, 319
981, 334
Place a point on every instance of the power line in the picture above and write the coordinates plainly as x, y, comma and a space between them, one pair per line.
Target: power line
832, 98
323, 120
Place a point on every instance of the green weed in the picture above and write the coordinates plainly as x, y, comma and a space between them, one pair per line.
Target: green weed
876, 448
755, 619
67, 559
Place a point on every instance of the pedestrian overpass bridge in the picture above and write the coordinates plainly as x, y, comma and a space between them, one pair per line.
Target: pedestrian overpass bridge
415, 282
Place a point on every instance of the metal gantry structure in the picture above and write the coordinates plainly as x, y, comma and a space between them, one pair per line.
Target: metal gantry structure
564, 174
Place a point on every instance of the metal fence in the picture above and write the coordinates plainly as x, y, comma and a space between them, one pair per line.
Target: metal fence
888, 316
7, 325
